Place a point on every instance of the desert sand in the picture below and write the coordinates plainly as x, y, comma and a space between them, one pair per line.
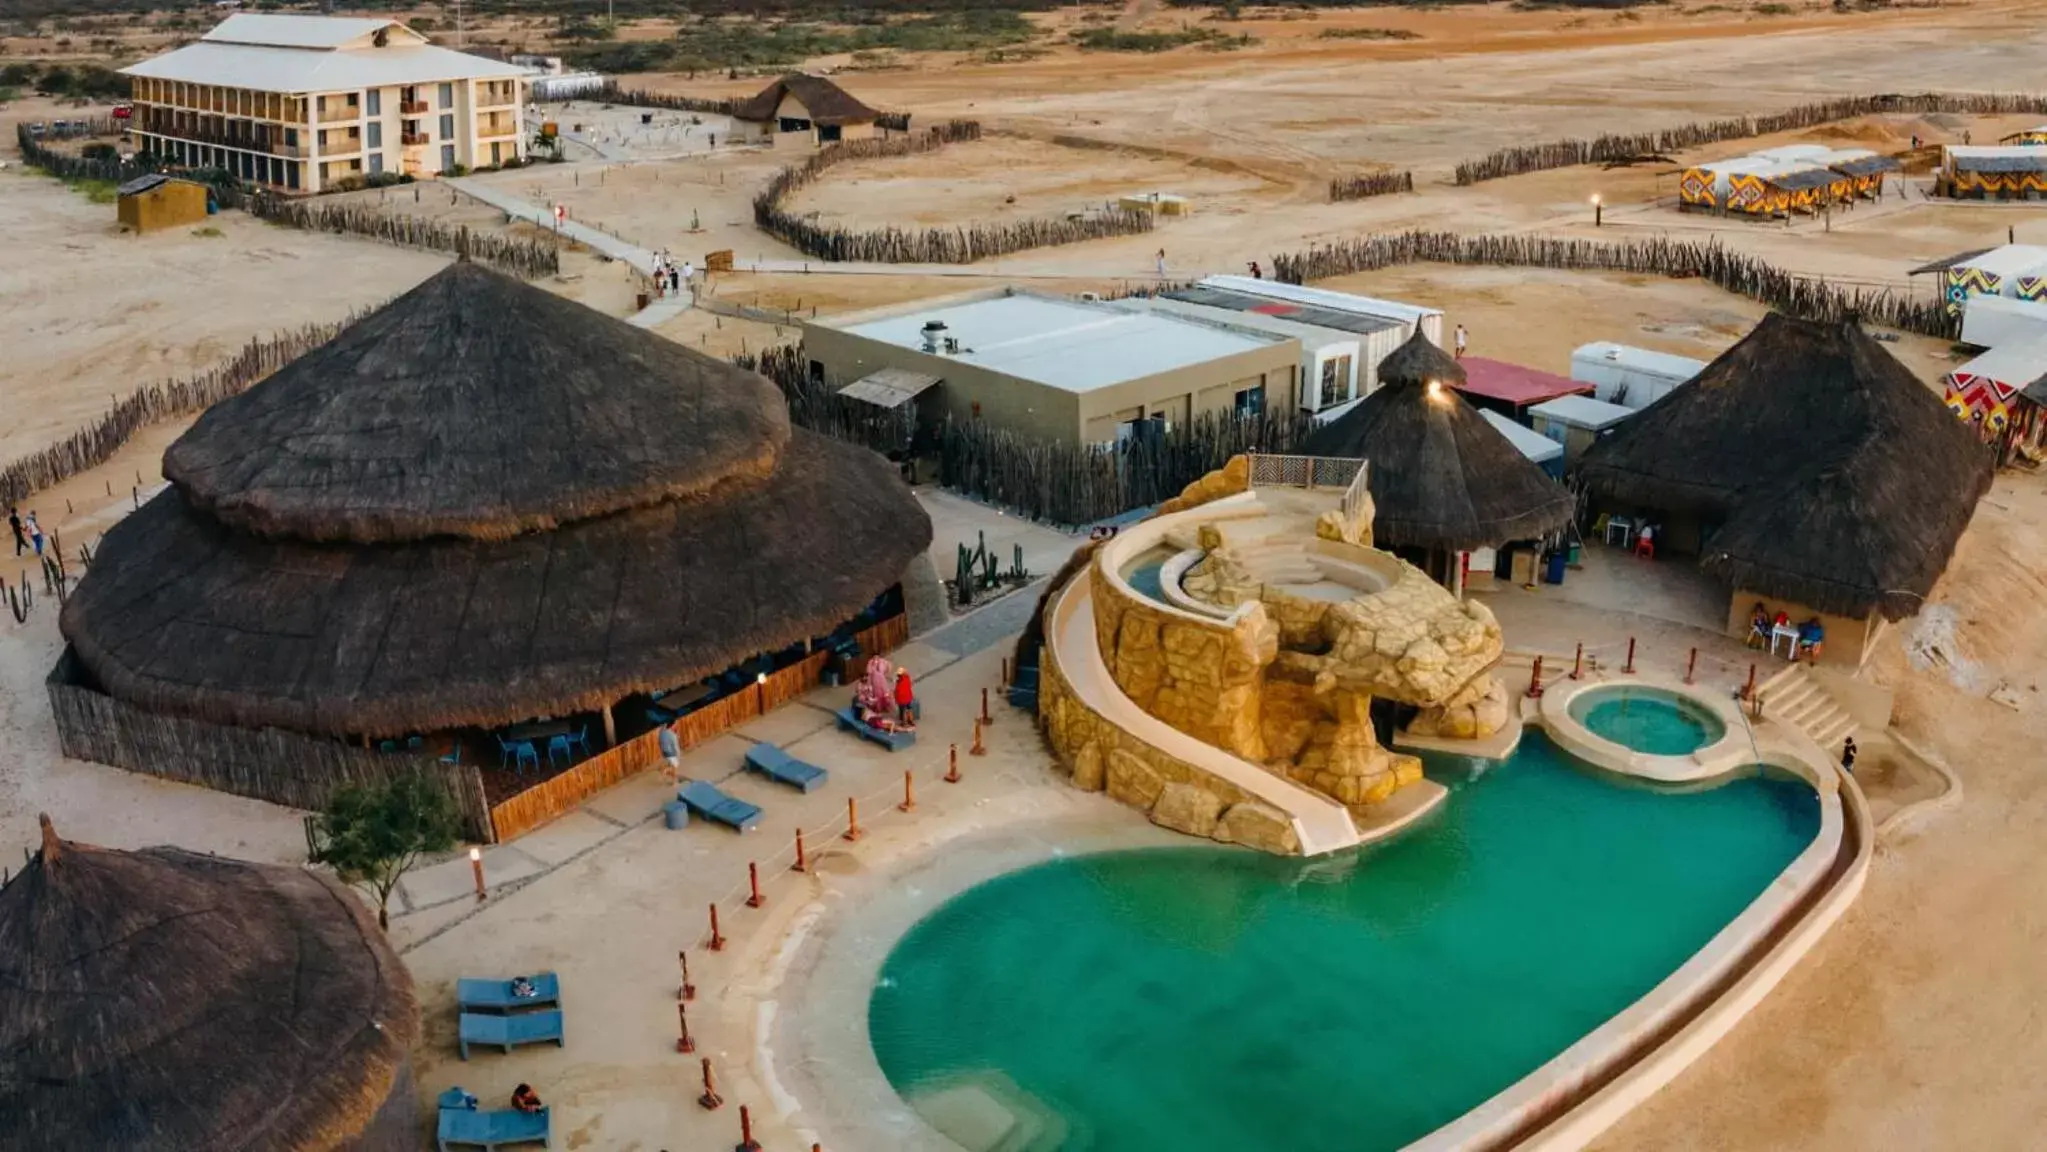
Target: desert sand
1915, 1023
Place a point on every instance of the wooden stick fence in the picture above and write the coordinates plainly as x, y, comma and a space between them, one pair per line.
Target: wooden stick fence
96, 443
1370, 184
958, 245
514, 255
1804, 297
816, 405
1626, 146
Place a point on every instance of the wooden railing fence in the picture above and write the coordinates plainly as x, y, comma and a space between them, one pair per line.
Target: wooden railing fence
562, 794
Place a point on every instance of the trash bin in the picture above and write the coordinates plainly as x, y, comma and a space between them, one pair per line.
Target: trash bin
1577, 553
676, 814
1554, 571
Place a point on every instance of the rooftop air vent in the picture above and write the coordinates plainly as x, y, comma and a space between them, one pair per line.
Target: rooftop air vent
932, 332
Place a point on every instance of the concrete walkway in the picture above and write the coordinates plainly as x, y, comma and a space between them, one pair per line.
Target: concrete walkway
591, 238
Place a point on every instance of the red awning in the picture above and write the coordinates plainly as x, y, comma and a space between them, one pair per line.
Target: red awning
1499, 380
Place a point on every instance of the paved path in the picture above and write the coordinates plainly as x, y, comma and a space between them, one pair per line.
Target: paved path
540, 214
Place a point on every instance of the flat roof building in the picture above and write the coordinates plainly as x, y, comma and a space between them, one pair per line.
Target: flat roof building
1576, 422
302, 103
1073, 370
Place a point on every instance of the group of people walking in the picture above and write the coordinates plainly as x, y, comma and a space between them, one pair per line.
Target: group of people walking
670, 279
27, 533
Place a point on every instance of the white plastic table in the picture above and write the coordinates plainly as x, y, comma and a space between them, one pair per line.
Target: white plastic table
1626, 526
1789, 635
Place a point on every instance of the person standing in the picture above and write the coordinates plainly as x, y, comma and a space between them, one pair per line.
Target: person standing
906, 697
35, 532
20, 537
1848, 751
1256, 272
671, 751
1460, 339
689, 276
1162, 263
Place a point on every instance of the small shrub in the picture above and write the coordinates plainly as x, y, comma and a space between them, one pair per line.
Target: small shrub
209, 232
458, 170
99, 191
1367, 34
1774, 9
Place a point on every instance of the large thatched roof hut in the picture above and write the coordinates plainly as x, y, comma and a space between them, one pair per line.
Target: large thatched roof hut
479, 505
1811, 470
167, 1000
1443, 479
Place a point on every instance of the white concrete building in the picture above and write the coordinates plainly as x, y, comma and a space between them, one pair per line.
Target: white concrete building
301, 103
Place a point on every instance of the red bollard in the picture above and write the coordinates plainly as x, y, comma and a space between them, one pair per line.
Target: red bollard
1578, 663
746, 1141
684, 1042
952, 768
978, 749
909, 803
985, 717
710, 1099
688, 991
1005, 671
1691, 666
1629, 667
1535, 679
852, 818
1748, 692
717, 941
801, 864
753, 881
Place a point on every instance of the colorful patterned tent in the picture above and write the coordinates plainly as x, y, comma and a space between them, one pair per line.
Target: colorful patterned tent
1994, 173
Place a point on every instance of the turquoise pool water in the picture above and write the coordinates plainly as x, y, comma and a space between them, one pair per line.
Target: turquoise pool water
1649, 720
1205, 999
1143, 573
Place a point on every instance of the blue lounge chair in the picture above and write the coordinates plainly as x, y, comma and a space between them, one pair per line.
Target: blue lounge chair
894, 741
707, 801
778, 765
462, 1123
496, 995
506, 1031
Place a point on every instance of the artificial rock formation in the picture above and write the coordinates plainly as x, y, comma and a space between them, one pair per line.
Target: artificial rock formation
1230, 479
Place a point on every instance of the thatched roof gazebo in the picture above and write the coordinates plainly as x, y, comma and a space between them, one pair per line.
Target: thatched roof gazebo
167, 1000
1825, 474
479, 505
1442, 478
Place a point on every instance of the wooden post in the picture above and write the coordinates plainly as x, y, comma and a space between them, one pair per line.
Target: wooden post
1535, 679
985, 717
710, 1100
909, 803
688, 991
717, 940
1005, 672
1691, 666
977, 749
801, 865
1748, 691
1629, 668
746, 1141
852, 818
476, 867
1578, 662
610, 729
753, 881
952, 768
683, 1042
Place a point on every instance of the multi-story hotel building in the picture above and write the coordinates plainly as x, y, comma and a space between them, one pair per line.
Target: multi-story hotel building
299, 103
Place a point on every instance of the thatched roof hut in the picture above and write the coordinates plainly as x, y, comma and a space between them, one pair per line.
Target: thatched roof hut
826, 102
166, 1000
1441, 476
479, 505
1836, 479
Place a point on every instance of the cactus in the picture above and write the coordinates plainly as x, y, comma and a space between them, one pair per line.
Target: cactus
1017, 571
991, 573
963, 577
14, 606
53, 578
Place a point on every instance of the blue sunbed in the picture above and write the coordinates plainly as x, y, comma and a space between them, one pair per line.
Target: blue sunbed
895, 741
496, 995
507, 1031
491, 1130
707, 801
778, 765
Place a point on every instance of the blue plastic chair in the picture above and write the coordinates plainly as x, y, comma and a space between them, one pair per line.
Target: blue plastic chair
559, 744
580, 738
413, 743
454, 756
518, 752
387, 745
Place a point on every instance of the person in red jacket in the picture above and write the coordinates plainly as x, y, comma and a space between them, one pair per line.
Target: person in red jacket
906, 697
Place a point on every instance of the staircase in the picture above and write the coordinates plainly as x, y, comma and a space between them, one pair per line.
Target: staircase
1793, 697
1277, 560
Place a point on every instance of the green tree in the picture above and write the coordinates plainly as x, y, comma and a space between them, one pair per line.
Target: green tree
55, 82
372, 834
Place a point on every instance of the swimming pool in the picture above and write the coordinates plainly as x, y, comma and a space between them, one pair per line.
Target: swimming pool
1208, 999
1655, 721
1142, 573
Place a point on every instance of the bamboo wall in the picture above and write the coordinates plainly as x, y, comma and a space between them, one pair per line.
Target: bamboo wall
262, 763
562, 794
1370, 184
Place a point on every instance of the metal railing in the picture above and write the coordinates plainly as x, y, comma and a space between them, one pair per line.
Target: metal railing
1269, 471
1358, 496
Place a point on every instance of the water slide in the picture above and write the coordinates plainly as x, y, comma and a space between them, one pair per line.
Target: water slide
1322, 824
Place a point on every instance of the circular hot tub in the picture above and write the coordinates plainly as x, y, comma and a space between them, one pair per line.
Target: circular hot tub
1653, 721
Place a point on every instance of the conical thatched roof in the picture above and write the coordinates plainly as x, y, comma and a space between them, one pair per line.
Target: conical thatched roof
166, 1000
1441, 476
185, 612
1839, 480
1419, 360
474, 405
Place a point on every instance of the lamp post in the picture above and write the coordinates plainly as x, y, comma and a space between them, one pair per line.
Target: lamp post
1598, 211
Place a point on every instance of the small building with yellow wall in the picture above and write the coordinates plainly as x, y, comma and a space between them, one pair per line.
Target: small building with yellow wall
157, 201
